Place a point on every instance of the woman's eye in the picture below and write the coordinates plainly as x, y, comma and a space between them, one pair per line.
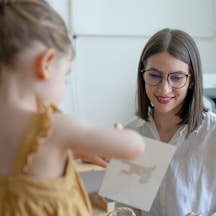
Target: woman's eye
155, 76
176, 77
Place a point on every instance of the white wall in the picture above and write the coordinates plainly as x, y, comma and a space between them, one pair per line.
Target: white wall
110, 35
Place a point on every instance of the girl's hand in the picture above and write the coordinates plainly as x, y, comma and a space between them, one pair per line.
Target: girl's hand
89, 158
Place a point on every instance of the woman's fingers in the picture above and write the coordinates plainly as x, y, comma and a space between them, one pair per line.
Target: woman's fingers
118, 126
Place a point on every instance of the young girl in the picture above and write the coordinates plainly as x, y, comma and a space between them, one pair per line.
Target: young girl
37, 173
170, 109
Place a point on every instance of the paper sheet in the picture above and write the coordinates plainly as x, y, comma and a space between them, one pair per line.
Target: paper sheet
136, 182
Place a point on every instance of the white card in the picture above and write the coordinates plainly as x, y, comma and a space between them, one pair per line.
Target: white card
136, 182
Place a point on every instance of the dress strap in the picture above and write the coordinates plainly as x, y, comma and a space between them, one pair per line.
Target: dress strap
36, 133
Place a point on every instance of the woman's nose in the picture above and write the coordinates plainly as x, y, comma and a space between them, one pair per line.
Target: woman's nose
164, 86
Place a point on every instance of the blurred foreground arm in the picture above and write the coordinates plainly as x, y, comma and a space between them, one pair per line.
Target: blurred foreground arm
96, 159
88, 141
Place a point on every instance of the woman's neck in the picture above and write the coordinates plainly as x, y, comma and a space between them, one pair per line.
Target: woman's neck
167, 124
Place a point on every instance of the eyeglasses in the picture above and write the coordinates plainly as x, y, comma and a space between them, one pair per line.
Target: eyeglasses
175, 79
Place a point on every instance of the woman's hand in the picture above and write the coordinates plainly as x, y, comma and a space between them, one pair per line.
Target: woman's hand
118, 126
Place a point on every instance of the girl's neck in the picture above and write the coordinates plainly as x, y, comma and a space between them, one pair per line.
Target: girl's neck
16, 93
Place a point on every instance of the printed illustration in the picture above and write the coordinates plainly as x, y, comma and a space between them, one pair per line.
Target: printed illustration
145, 173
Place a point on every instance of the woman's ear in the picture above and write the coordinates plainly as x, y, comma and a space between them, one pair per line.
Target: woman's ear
44, 63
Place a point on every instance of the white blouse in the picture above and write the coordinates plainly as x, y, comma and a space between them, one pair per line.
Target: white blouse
190, 182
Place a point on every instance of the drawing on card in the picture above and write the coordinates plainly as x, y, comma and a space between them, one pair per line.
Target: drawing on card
145, 173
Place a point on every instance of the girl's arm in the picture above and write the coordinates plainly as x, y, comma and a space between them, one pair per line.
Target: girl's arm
82, 136
95, 159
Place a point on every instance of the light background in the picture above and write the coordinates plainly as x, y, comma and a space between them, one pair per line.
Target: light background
109, 37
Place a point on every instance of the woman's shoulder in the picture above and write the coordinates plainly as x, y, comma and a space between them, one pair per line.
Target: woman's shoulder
209, 121
135, 122
209, 116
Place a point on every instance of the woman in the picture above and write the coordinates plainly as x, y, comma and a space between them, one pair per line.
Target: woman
170, 109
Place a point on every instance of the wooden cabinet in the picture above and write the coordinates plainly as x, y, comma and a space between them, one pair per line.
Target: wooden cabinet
87, 167
98, 212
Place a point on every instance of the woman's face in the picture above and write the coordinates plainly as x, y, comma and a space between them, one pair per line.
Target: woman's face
163, 97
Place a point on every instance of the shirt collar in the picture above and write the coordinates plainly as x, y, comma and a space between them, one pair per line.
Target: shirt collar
179, 133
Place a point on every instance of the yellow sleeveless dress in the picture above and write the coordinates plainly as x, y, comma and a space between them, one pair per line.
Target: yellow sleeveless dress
22, 195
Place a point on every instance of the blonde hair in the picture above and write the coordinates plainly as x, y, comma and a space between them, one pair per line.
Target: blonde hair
25, 21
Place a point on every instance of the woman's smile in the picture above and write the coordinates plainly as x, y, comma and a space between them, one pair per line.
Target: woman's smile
164, 99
